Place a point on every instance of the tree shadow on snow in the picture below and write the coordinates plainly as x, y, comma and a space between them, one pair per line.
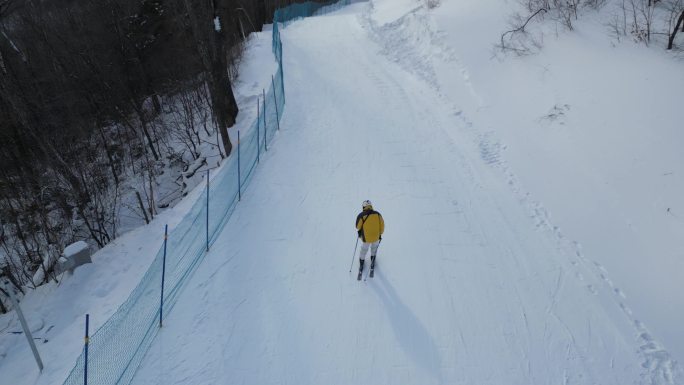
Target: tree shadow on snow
412, 336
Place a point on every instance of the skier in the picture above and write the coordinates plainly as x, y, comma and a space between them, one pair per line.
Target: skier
370, 226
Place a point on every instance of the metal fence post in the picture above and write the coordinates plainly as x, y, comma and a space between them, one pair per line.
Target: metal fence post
208, 210
239, 178
265, 126
161, 303
87, 342
258, 129
24, 325
275, 100
282, 76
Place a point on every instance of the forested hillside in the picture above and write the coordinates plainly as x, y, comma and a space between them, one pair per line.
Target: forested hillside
110, 110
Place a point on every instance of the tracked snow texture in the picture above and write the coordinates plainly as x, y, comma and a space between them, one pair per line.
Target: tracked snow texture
470, 288
533, 207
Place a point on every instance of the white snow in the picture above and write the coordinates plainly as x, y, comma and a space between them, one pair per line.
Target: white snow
38, 275
74, 248
472, 287
587, 133
528, 237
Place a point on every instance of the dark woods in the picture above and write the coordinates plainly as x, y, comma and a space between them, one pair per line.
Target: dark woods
97, 93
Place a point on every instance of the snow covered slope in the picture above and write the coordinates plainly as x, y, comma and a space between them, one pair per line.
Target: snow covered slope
523, 198
588, 134
56, 312
471, 288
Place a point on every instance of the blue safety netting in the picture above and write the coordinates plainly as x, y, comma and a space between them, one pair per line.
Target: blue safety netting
117, 348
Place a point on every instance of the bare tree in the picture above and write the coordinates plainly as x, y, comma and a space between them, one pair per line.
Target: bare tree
517, 40
210, 20
95, 98
675, 22
642, 12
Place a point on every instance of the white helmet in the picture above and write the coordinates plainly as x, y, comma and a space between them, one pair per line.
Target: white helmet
366, 203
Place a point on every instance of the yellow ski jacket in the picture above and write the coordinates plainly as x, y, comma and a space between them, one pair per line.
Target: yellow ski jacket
370, 225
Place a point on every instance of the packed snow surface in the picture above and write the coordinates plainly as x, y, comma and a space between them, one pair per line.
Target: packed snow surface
588, 130
531, 220
74, 248
470, 287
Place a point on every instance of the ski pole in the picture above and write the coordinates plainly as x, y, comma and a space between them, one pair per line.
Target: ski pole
353, 255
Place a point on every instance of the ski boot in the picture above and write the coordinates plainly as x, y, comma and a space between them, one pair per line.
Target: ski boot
358, 277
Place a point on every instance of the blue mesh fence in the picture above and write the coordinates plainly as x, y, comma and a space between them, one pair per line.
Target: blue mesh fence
309, 8
117, 348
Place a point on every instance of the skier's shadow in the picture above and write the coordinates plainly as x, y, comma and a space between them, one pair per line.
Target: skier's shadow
413, 338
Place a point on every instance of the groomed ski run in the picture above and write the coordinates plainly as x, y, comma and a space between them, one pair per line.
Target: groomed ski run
471, 289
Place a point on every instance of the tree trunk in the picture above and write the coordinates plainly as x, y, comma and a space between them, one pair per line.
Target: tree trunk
260, 18
146, 132
142, 207
110, 158
211, 46
680, 21
3, 309
223, 99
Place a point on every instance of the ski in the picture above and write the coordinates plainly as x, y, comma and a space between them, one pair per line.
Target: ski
372, 268
370, 273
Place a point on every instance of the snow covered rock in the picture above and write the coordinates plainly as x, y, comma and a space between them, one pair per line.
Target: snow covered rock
74, 255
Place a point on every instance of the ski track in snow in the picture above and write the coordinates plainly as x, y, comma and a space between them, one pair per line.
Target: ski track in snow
406, 46
474, 283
